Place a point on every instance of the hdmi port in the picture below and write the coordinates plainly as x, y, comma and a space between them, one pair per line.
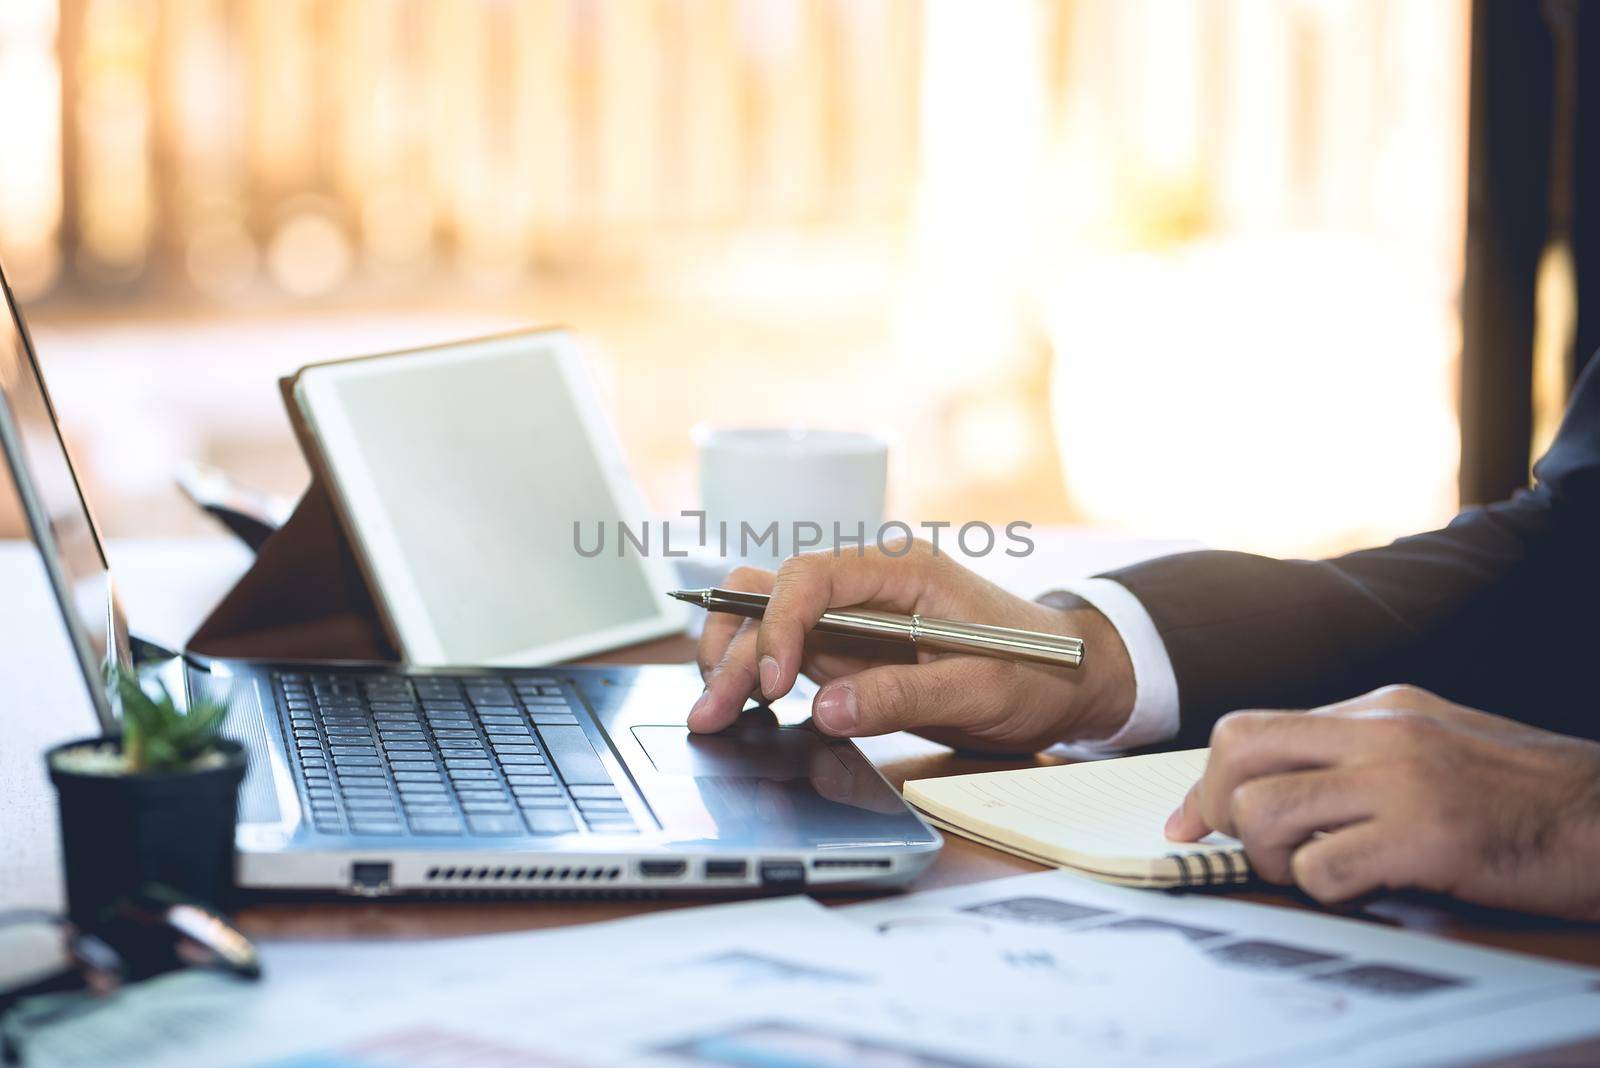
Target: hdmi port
662, 869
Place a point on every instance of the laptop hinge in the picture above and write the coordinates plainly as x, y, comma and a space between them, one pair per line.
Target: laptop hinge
147, 652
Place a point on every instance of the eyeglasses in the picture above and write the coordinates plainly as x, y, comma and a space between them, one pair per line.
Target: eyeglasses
156, 931
94, 970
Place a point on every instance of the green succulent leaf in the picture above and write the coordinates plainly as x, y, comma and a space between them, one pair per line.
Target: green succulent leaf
158, 735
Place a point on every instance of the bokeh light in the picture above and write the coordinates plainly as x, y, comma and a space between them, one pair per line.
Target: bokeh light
1185, 267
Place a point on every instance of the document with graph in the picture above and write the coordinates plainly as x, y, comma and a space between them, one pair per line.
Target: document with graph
1103, 819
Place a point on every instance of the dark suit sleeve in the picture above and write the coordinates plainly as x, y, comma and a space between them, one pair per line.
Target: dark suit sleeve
1499, 610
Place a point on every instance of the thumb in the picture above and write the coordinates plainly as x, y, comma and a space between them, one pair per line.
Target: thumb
1186, 824
949, 692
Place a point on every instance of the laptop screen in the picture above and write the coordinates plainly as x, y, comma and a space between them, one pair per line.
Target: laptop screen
57, 512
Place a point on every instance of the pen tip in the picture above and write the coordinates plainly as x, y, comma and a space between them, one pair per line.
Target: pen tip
682, 595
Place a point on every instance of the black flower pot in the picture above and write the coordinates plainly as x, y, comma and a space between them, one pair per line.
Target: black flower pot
124, 836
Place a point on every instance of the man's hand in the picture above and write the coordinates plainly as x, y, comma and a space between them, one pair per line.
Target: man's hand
870, 687
1400, 788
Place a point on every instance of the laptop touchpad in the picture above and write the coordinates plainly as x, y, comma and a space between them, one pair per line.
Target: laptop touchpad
747, 751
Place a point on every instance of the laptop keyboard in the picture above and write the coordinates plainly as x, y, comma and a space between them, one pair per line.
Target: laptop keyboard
437, 755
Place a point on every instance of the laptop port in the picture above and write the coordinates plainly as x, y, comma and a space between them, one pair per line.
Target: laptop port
783, 873
878, 863
662, 869
369, 878
727, 869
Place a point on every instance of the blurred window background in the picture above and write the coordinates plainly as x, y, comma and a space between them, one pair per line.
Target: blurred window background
1180, 267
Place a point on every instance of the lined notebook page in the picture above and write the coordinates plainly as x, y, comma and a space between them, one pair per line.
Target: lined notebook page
1092, 814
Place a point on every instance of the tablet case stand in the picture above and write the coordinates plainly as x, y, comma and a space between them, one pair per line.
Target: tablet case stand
306, 596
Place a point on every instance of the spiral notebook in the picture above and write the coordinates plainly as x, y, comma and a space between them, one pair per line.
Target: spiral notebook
1102, 819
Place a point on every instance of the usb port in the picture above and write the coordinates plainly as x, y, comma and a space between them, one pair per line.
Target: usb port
662, 869
783, 873
727, 869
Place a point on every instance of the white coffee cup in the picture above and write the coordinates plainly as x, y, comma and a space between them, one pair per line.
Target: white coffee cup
814, 485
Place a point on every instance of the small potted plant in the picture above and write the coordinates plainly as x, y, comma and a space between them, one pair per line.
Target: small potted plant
150, 810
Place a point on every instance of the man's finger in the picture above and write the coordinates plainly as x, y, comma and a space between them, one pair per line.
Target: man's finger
1186, 824
1354, 861
729, 685
955, 691
809, 584
722, 626
1249, 745
1276, 814
823, 665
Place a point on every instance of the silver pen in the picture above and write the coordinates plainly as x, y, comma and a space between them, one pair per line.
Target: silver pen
946, 635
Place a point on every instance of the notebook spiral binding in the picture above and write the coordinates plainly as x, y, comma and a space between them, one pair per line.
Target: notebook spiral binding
1211, 869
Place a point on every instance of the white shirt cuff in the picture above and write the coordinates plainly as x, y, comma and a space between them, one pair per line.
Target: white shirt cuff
1154, 717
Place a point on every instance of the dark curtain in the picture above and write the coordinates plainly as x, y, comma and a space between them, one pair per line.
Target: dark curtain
1533, 165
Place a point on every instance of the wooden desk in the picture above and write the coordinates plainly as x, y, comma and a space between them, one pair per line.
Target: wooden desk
900, 757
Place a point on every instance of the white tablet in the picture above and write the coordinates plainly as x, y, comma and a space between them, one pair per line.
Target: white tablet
459, 472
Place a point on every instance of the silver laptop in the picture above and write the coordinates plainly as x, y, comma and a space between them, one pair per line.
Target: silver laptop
376, 779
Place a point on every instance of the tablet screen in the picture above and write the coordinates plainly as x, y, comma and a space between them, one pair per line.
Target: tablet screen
463, 471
